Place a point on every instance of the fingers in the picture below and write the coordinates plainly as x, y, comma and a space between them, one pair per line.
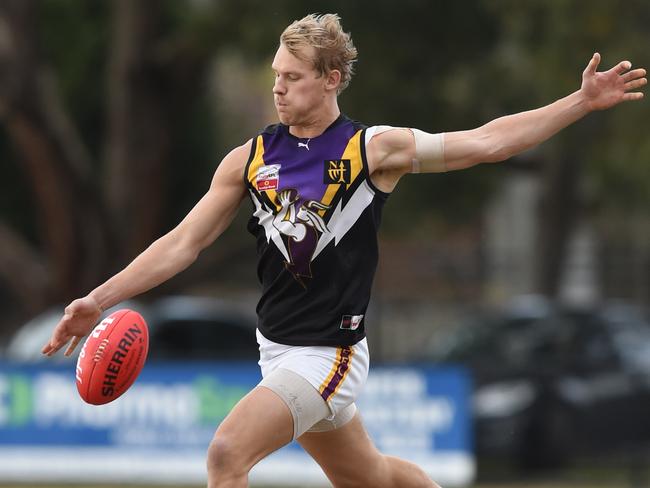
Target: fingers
619, 69
628, 97
622, 67
593, 64
75, 341
76, 322
634, 74
53, 346
631, 85
59, 337
634, 79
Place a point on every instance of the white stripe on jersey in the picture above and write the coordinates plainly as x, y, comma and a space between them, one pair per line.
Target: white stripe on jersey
344, 218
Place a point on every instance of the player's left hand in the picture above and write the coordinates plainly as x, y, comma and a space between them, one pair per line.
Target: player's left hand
78, 320
604, 89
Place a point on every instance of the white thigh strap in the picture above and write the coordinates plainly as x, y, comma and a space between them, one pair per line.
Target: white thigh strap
305, 403
336, 422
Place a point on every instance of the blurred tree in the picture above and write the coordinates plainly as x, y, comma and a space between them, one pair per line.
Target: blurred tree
98, 185
540, 55
54, 159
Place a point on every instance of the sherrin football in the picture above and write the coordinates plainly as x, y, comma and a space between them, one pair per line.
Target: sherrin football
112, 357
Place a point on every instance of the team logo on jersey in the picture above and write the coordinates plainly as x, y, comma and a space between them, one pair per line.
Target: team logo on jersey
301, 229
268, 177
336, 171
302, 226
351, 322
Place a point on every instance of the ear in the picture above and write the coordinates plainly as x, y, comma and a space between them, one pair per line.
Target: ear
333, 80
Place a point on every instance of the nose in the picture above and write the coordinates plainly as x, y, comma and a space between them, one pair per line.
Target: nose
278, 86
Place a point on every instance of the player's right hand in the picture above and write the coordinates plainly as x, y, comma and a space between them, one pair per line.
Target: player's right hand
78, 320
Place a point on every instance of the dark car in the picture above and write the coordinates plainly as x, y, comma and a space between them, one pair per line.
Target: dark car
201, 329
186, 328
552, 382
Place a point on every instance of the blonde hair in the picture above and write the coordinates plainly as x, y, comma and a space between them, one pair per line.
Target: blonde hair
334, 48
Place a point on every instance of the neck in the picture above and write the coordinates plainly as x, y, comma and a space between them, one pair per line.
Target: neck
317, 125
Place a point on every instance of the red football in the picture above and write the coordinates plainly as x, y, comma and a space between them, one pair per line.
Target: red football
112, 357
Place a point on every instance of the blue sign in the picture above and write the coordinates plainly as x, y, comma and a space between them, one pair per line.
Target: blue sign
173, 409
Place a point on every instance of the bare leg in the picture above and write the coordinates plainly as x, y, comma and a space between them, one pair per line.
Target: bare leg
258, 425
349, 459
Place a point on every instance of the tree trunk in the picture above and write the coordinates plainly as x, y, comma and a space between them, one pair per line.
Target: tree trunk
558, 216
21, 267
54, 158
90, 228
138, 145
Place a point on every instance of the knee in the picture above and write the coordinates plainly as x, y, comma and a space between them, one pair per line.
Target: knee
406, 473
391, 472
381, 471
374, 473
224, 459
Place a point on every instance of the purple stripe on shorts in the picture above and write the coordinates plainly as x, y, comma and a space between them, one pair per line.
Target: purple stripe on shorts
339, 375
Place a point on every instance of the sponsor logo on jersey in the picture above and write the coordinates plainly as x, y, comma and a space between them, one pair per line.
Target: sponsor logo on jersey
336, 171
268, 177
351, 322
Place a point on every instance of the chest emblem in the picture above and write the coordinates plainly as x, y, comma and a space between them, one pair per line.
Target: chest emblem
336, 171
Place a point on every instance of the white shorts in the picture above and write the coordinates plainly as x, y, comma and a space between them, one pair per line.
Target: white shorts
337, 374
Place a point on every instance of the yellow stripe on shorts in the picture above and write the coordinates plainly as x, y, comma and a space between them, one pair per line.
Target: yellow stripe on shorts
339, 371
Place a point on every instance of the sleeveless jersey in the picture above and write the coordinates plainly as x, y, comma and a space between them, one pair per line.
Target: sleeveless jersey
315, 218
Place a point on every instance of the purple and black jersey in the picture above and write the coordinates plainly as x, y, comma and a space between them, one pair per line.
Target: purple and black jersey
316, 215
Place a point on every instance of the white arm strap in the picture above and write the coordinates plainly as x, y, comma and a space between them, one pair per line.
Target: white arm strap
429, 152
429, 149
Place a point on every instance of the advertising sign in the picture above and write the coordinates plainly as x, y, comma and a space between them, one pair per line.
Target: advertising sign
160, 429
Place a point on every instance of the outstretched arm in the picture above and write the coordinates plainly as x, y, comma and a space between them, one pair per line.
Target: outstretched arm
166, 257
507, 136
393, 152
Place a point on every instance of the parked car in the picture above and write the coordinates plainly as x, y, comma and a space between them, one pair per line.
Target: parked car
180, 328
552, 382
201, 328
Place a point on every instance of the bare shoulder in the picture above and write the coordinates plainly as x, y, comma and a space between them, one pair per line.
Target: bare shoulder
216, 209
231, 167
390, 148
239, 155
390, 152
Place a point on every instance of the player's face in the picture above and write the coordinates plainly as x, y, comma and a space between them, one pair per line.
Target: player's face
299, 91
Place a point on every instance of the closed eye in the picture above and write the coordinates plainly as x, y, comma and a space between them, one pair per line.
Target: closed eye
289, 76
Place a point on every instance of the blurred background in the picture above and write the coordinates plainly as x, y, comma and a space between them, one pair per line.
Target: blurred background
533, 274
